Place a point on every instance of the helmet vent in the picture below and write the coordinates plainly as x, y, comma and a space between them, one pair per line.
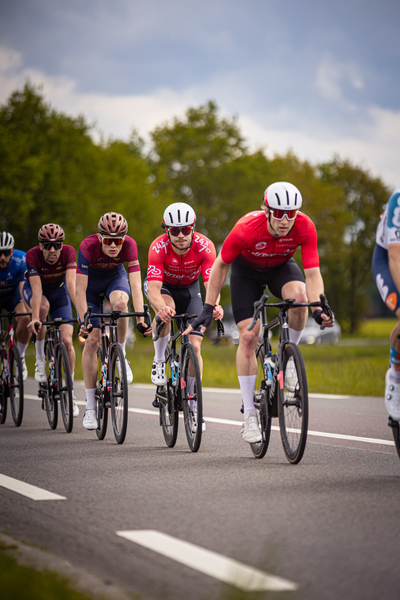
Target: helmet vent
278, 199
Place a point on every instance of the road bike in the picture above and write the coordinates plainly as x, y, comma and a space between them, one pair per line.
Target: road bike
112, 386
11, 382
58, 387
281, 385
395, 427
183, 391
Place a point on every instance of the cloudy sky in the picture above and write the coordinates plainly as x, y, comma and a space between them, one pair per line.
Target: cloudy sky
315, 76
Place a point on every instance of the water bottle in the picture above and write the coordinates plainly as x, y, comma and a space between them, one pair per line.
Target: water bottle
269, 362
174, 370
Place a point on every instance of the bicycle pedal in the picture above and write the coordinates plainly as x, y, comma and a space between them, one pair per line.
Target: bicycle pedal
156, 403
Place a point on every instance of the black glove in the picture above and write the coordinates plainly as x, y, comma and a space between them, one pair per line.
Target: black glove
142, 328
205, 317
317, 316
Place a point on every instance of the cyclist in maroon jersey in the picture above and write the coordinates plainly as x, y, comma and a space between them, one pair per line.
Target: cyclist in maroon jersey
50, 287
260, 251
176, 260
100, 272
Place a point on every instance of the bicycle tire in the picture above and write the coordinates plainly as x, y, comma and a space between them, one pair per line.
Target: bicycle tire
169, 410
50, 400
3, 395
293, 404
396, 435
118, 393
193, 419
16, 386
261, 393
64, 387
101, 394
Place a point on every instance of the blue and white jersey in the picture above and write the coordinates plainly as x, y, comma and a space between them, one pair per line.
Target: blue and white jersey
15, 272
388, 230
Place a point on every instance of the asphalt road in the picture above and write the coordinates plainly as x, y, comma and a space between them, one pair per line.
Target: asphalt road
327, 528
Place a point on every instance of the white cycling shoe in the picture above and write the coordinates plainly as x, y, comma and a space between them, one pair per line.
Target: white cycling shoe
158, 376
90, 419
40, 371
250, 430
392, 398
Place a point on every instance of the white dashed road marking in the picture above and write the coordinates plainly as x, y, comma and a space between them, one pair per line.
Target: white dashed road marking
28, 490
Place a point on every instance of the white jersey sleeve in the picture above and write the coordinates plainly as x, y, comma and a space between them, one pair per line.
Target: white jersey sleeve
388, 230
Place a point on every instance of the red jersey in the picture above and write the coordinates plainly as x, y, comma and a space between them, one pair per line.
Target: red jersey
251, 241
49, 274
91, 257
180, 270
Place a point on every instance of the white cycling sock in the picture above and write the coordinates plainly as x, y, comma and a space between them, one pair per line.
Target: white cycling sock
159, 348
295, 336
39, 345
123, 347
90, 399
247, 384
21, 349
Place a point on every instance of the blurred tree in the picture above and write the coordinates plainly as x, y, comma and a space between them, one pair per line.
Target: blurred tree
364, 197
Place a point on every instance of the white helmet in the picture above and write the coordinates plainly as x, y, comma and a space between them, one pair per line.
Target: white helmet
178, 215
283, 195
6, 241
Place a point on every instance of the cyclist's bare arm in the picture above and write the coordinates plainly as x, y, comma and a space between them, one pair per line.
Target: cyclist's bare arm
135, 282
158, 303
315, 287
70, 280
218, 275
37, 290
81, 304
394, 263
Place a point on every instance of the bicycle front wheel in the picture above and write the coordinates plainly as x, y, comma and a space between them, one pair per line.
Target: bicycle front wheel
101, 394
261, 394
16, 389
192, 397
64, 387
293, 404
118, 394
168, 402
3, 396
50, 399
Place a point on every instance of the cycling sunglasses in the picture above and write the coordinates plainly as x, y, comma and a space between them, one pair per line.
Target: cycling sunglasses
279, 213
175, 231
50, 245
108, 241
5, 252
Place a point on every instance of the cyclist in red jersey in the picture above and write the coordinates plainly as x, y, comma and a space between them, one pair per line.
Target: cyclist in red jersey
260, 251
50, 287
101, 272
176, 260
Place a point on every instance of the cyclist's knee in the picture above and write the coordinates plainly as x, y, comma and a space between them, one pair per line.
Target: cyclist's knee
92, 343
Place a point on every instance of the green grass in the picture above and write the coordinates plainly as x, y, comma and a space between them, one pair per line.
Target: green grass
342, 369
18, 582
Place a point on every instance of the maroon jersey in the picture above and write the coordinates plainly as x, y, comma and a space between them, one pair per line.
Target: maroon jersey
91, 257
50, 274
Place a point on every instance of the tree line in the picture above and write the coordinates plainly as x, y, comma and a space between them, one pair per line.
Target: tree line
51, 170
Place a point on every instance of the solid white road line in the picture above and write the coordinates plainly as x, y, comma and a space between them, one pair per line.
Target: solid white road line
210, 563
25, 489
335, 436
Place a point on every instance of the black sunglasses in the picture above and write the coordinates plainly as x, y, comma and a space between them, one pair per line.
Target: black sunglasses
50, 245
175, 231
5, 252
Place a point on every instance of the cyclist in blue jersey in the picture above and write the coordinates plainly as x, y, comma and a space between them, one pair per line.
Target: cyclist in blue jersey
386, 272
12, 274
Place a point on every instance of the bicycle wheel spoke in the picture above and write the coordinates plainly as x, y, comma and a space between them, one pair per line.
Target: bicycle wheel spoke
192, 398
51, 405
102, 410
16, 389
64, 387
118, 394
169, 415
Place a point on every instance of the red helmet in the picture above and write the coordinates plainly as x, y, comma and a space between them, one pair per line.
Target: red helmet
113, 224
51, 233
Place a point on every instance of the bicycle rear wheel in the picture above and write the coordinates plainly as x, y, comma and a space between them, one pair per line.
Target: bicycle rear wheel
293, 404
3, 395
64, 387
16, 386
118, 393
261, 393
192, 397
101, 393
50, 399
168, 403
396, 434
